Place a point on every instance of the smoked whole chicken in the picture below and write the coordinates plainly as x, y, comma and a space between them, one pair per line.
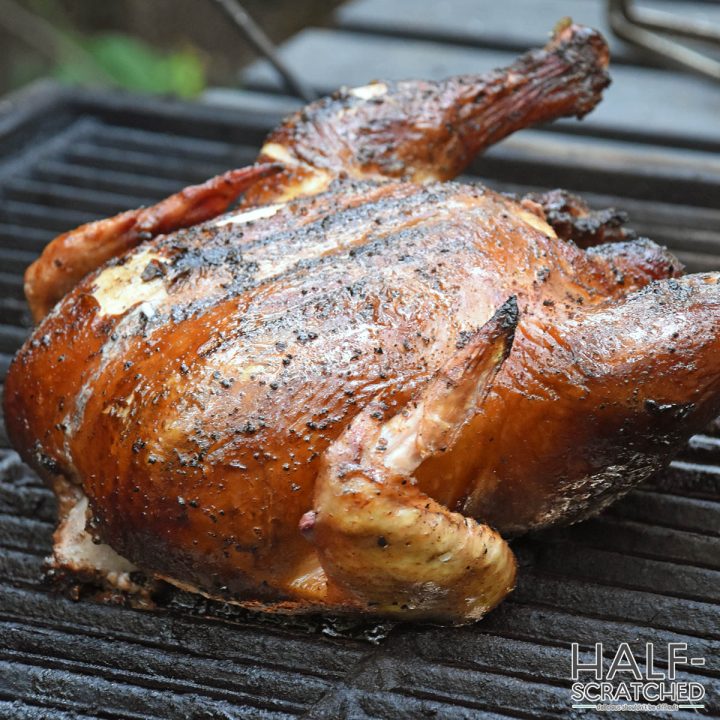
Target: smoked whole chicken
346, 393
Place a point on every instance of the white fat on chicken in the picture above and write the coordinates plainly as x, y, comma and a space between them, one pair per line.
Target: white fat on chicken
247, 216
535, 221
312, 183
75, 550
276, 151
120, 287
367, 92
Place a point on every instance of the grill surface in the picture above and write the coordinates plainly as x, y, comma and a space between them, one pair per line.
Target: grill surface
646, 571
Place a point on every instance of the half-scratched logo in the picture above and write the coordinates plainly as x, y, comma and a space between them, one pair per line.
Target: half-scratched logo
656, 682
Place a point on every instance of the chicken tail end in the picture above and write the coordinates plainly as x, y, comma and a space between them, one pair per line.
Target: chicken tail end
385, 544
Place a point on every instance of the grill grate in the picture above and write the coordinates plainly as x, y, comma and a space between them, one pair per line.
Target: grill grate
648, 570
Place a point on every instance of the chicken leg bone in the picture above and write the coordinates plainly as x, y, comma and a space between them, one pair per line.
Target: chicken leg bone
424, 131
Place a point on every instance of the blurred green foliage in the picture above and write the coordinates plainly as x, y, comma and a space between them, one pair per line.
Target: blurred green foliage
133, 64
58, 37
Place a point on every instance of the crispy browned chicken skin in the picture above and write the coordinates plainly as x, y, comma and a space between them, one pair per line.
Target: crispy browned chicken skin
344, 397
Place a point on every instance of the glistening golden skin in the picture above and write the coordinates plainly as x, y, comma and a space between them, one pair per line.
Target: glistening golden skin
288, 406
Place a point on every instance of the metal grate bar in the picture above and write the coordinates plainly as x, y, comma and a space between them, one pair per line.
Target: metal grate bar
56, 220
134, 161
625, 571
521, 621
690, 480
18, 237
73, 690
134, 666
11, 338
15, 261
168, 144
107, 180
55, 195
235, 643
666, 511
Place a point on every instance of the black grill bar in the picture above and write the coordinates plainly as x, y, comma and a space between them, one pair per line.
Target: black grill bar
114, 181
647, 570
675, 512
61, 195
